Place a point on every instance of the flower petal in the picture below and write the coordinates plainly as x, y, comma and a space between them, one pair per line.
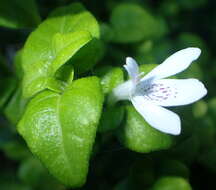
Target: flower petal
172, 92
174, 64
132, 68
158, 117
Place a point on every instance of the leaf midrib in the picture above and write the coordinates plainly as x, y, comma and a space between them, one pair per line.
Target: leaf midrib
61, 133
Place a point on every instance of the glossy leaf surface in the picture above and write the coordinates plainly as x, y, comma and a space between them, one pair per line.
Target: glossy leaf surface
60, 128
139, 136
54, 43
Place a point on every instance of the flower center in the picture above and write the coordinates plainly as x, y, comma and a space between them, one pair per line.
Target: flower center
156, 92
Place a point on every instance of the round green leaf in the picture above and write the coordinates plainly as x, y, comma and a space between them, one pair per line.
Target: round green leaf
171, 183
60, 128
111, 77
139, 136
133, 23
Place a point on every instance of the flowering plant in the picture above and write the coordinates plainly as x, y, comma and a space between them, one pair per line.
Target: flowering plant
150, 92
72, 117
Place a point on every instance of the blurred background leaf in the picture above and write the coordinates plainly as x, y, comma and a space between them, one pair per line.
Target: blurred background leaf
19, 14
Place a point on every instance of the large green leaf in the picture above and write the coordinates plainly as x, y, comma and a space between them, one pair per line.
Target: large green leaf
54, 43
139, 136
133, 23
60, 128
18, 13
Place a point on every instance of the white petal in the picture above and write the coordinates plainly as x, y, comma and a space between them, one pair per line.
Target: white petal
174, 64
132, 68
123, 91
158, 117
172, 92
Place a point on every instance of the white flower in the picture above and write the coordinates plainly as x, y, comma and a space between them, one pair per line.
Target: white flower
149, 94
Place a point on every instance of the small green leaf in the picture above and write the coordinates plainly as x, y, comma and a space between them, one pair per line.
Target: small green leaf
16, 106
66, 31
15, 150
139, 136
110, 77
60, 128
40, 178
111, 118
107, 33
200, 109
25, 171
19, 13
7, 85
18, 64
38, 74
133, 23
169, 167
171, 183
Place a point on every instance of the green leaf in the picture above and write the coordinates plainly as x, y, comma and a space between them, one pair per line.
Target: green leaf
25, 171
40, 178
111, 118
111, 77
55, 42
38, 74
185, 40
7, 87
133, 23
169, 167
16, 106
200, 109
60, 128
19, 14
18, 64
107, 33
171, 183
15, 150
139, 136
88, 56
